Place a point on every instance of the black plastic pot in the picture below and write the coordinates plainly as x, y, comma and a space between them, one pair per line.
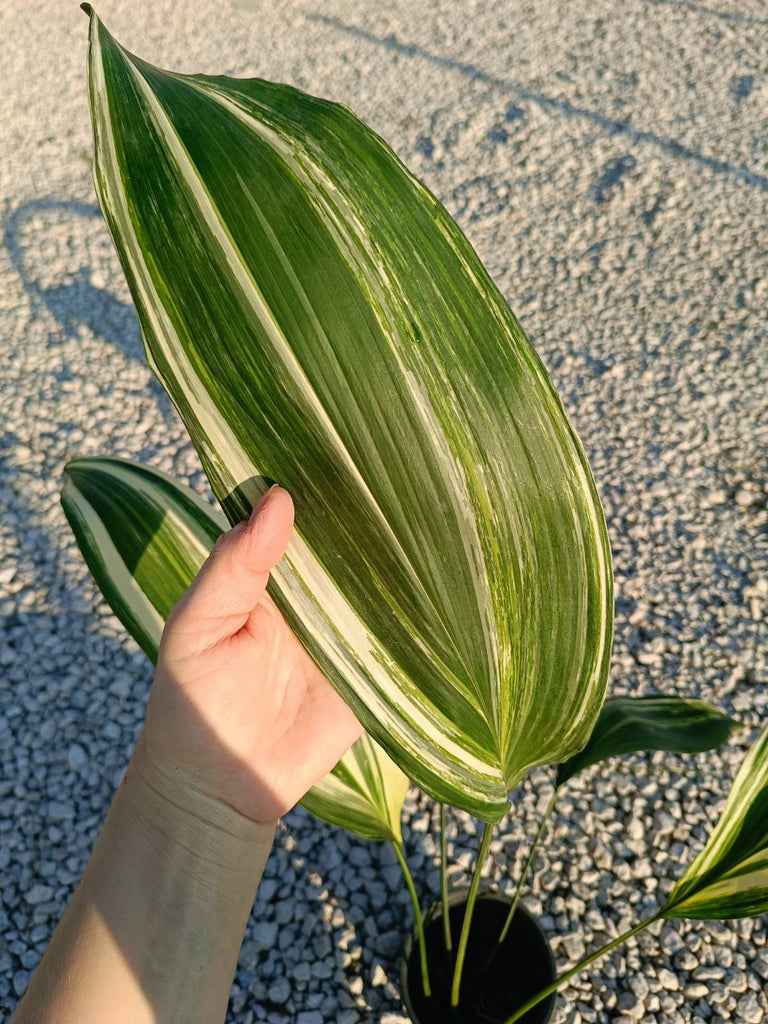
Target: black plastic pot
522, 966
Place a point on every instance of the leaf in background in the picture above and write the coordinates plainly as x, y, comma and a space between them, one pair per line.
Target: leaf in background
144, 538
729, 878
364, 794
628, 725
319, 320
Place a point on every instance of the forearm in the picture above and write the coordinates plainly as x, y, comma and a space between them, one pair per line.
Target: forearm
154, 929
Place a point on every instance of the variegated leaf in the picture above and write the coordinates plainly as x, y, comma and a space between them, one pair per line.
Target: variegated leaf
144, 538
628, 725
729, 878
363, 794
319, 320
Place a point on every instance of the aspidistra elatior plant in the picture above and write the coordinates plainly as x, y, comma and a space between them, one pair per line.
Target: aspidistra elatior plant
729, 878
319, 320
144, 537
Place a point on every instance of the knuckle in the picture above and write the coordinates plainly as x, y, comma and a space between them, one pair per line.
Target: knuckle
224, 541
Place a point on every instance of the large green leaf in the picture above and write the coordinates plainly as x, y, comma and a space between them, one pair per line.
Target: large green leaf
319, 320
729, 878
144, 537
627, 725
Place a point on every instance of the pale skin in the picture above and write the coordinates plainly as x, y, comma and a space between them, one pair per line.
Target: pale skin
240, 724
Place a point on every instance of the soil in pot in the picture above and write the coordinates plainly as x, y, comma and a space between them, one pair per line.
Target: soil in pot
522, 966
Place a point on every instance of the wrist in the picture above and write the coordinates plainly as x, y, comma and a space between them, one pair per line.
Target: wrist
168, 807
157, 921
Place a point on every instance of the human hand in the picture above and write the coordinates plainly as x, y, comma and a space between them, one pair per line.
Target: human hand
238, 711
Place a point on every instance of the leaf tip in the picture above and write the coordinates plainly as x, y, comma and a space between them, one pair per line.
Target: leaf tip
88, 9
71, 475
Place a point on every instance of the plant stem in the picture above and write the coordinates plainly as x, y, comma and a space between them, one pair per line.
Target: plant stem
418, 917
444, 882
580, 966
463, 940
528, 865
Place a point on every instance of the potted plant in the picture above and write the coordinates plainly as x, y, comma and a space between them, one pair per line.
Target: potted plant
144, 536
318, 319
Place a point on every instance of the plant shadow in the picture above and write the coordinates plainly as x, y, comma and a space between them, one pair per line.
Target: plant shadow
79, 300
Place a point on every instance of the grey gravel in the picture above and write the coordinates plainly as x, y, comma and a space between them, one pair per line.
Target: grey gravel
311, 1017
39, 894
609, 163
280, 992
77, 757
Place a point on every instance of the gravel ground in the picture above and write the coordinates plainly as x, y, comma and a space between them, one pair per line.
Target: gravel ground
610, 163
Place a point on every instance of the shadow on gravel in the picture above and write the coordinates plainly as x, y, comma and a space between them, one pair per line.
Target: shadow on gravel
78, 301
562, 106
38, 557
696, 8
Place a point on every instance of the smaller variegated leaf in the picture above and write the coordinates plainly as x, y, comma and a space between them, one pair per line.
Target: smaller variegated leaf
144, 538
729, 878
629, 725
364, 794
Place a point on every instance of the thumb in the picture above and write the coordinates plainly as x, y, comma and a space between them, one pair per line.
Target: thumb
233, 578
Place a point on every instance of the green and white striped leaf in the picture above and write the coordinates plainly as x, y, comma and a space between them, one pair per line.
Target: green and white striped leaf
144, 538
364, 794
319, 320
729, 878
628, 725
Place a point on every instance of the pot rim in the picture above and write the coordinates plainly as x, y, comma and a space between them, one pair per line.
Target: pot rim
486, 894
